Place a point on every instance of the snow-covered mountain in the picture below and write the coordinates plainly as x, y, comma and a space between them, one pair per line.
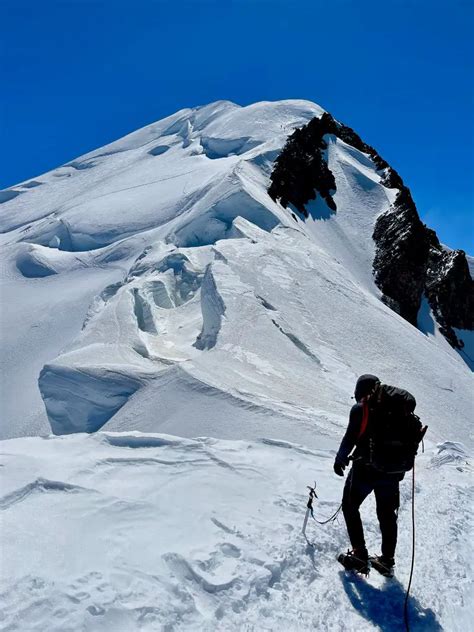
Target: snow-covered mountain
216, 274
155, 281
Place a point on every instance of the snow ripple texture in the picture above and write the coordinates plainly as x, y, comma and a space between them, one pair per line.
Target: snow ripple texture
153, 532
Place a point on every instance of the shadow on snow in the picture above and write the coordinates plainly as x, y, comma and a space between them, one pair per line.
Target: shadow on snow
384, 607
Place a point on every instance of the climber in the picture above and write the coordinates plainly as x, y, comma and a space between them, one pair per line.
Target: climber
385, 433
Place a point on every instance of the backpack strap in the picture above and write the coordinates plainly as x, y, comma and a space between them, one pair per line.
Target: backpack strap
365, 418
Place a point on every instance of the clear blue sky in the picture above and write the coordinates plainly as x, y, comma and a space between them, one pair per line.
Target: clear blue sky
78, 74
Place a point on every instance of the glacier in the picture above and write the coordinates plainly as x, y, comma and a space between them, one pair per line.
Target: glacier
208, 340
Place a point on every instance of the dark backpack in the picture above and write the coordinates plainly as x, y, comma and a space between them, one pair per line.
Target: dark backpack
394, 431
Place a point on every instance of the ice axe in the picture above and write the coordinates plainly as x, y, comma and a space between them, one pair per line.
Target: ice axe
309, 506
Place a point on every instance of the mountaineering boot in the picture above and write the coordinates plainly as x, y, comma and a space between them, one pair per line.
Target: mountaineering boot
356, 560
384, 565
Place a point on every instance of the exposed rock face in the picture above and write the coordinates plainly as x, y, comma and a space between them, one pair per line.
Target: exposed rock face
409, 261
401, 257
450, 291
301, 170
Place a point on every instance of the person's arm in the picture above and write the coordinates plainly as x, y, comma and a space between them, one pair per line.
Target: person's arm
349, 440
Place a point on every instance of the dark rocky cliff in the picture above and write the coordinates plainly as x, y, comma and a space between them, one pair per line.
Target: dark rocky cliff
409, 262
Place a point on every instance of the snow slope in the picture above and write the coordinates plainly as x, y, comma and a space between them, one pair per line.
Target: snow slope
78, 229
154, 532
156, 275
153, 286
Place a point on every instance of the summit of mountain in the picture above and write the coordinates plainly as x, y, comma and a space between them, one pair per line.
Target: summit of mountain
224, 271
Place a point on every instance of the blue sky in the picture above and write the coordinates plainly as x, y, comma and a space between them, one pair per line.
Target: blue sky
78, 74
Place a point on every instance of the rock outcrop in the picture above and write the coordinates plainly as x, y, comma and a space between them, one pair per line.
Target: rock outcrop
409, 262
301, 170
450, 291
402, 248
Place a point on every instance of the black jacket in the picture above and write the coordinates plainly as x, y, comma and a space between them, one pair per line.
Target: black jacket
351, 438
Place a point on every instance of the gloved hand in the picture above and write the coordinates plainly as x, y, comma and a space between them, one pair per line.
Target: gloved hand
340, 466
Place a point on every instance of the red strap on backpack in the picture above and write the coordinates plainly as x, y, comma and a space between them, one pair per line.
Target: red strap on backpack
365, 418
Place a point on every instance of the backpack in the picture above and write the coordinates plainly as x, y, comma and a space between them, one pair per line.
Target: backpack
393, 430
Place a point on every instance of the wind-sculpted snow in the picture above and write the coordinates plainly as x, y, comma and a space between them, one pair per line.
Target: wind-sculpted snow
242, 304
129, 531
40, 485
154, 284
213, 309
452, 452
80, 399
211, 219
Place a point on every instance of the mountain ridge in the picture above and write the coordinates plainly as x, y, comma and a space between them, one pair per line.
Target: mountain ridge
166, 214
179, 355
420, 265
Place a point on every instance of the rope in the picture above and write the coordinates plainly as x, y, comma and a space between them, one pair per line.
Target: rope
407, 625
333, 517
336, 513
312, 494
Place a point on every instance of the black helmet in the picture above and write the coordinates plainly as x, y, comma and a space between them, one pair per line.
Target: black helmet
365, 385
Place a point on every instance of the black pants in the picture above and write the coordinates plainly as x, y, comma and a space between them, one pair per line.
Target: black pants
359, 484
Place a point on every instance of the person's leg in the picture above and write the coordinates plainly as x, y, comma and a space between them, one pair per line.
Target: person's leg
387, 497
356, 490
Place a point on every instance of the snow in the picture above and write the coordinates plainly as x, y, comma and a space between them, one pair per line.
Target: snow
154, 293
154, 532
304, 336
117, 214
